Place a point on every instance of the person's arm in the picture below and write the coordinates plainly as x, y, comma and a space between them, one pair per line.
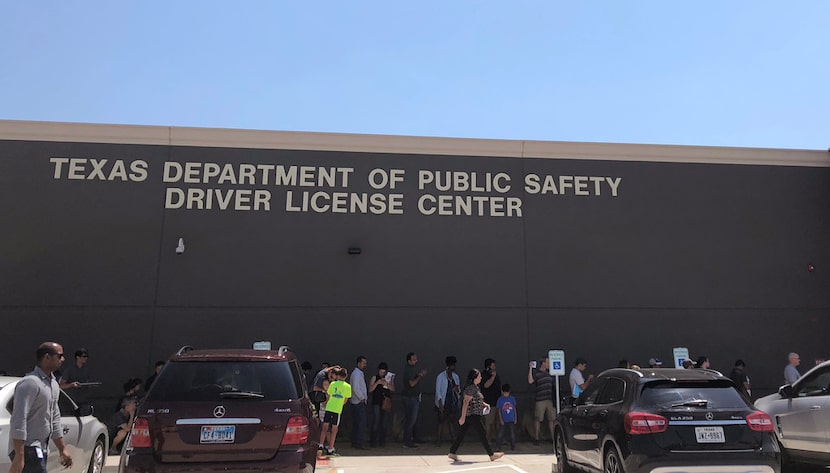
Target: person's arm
373, 383
585, 382
440, 391
463, 418
66, 458
417, 379
17, 461
490, 380
530, 379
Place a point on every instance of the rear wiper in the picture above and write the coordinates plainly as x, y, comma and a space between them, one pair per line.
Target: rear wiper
241, 395
692, 403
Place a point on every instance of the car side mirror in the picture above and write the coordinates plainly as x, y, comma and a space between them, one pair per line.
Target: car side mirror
786, 391
317, 397
86, 410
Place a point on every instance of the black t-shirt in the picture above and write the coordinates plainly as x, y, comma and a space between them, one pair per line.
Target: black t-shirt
491, 394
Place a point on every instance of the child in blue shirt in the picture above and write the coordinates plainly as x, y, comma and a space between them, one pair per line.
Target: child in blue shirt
507, 417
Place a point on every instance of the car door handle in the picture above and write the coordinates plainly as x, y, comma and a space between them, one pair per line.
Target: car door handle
815, 408
603, 413
65, 429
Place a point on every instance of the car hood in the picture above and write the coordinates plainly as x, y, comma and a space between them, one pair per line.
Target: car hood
765, 403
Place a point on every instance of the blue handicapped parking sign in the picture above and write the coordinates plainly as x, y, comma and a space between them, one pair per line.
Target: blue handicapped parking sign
557, 365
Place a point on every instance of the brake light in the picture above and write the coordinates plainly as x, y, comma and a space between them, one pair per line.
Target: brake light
296, 433
140, 436
760, 422
645, 423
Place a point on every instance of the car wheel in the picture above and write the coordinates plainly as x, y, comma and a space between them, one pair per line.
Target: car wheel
96, 461
612, 462
561, 455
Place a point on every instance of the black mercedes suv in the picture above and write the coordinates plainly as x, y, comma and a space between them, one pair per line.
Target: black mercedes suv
661, 420
225, 410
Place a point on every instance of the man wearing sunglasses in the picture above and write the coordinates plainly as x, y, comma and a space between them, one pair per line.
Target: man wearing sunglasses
36, 417
75, 377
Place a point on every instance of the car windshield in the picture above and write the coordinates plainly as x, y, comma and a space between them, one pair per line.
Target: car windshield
213, 381
708, 394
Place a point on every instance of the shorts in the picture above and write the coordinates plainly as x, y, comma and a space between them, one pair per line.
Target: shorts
543, 407
332, 418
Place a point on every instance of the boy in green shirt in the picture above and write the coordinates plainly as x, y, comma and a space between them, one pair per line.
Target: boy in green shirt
338, 393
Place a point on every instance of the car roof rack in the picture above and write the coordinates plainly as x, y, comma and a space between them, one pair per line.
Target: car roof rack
184, 350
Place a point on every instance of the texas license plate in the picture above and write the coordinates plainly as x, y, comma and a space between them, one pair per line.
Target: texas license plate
710, 435
217, 434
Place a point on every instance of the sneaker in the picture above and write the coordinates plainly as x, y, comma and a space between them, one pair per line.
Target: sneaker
496, 456
332, 453
453, 457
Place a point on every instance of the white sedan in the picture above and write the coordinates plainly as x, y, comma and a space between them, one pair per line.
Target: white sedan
85, 437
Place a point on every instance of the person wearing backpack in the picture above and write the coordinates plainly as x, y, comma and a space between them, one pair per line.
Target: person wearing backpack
447, 395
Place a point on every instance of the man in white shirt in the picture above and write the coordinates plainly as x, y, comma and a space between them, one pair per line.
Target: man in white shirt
578, 382
359, 402
447, 394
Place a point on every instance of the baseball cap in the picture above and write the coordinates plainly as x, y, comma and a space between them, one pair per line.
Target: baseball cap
655, 361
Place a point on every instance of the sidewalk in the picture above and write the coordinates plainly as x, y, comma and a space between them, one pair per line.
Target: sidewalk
427, 458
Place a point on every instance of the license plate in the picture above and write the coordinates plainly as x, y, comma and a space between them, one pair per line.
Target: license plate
217, 434
710, 435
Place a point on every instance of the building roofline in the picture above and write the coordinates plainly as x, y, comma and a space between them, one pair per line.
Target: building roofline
294, 140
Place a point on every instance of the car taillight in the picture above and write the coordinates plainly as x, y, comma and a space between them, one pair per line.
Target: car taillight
760, 422
140, 436
645, 423
297, 431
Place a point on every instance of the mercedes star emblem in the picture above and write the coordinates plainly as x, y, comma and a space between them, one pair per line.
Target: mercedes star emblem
709, 416
219, 411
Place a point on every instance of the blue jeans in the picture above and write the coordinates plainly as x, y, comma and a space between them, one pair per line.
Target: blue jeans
379, 420
509, 430
359, 425
31, 463
410, 405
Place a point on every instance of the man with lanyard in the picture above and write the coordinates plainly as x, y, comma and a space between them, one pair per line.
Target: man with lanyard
36, 417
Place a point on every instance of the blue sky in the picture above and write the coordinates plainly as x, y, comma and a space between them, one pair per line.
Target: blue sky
724, 73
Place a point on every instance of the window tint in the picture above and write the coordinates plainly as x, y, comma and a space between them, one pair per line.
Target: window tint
66, 405
817, 384
589, 396
717, 394
205, 381
612, 392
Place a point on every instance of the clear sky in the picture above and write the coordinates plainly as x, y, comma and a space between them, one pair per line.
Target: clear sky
707, 72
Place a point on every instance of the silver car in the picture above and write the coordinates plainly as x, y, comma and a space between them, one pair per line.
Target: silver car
85, 437
801, 414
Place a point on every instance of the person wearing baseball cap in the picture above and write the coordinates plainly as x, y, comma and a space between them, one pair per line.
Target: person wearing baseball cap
655, 362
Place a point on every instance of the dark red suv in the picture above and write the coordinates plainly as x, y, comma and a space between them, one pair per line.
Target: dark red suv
228, 410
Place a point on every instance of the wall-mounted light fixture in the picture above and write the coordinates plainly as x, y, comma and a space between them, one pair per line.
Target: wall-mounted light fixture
354, 250
180, 247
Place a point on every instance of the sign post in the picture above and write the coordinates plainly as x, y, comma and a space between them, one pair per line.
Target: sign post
556, 367
681, 354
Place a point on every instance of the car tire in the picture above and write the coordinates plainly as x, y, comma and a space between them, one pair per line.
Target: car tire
562, 465
612, 463
98, 457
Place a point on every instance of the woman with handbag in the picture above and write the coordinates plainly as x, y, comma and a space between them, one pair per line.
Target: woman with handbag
381, 387
473, 410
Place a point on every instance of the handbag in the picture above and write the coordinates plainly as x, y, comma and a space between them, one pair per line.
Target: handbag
386, 406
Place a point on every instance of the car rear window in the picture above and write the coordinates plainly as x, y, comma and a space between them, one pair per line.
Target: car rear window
214, 381
717, 394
